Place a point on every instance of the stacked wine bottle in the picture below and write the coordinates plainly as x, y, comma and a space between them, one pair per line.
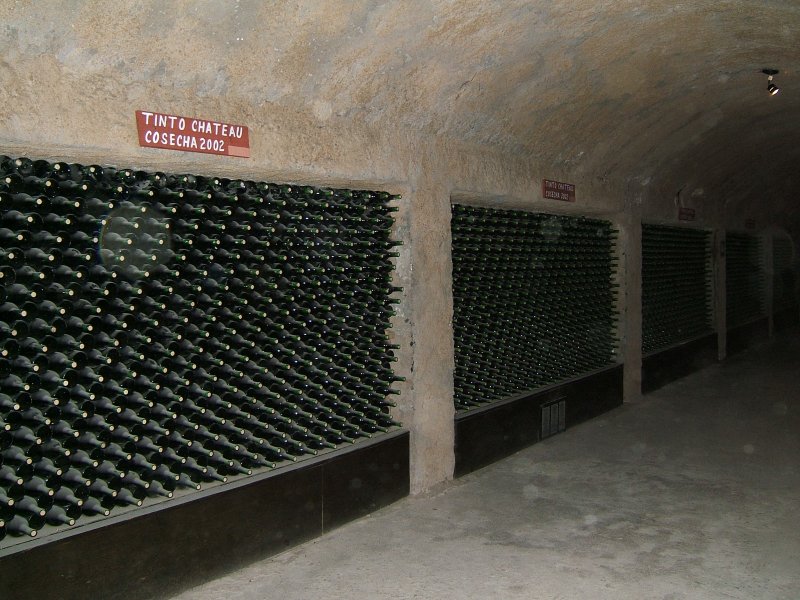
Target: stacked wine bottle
783, 290
745, 279
676, 285
533, 301
160, 333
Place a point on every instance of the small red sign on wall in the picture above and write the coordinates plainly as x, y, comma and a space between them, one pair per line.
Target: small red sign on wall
685, 213
188, 134
557, 190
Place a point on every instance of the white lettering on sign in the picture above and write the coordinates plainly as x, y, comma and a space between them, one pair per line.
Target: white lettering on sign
554, 195
171, 139
557, 190
173, 132
220, 129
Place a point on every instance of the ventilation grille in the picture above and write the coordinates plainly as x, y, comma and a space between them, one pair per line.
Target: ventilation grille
554, 418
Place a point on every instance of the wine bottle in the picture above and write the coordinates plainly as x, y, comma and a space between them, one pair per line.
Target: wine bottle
45, 467
157, 489
99, 489
29, 506
57, 515
9, 477
18, 526
53, 450
138, 485
37, 487
24, 436
92, 506
80, 459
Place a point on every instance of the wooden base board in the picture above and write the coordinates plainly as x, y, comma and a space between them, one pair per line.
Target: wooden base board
489, 433
665, 366
168, 550
742, 337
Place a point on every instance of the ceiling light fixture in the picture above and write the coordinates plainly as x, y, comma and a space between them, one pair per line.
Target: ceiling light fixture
772, 89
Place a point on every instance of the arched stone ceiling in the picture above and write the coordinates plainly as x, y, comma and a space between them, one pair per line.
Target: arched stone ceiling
662, 94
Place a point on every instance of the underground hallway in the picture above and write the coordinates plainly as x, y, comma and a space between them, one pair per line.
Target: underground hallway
690, 493
269, 268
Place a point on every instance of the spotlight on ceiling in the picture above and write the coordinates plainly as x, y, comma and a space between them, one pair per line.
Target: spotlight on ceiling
772, 89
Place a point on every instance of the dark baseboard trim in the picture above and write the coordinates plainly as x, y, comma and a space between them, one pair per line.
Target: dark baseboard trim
163, 552
786, 318
744, 336
664, 366
486, 435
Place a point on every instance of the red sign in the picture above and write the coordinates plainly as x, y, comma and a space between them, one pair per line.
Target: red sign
685, 214
750, 224
556, 190
171, 132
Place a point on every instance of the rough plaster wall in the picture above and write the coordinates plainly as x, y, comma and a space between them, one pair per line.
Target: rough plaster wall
668, 95
472, 99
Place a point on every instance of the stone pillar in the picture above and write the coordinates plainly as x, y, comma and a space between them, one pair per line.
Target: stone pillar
630, 301
769, 283
720, 316
429, 411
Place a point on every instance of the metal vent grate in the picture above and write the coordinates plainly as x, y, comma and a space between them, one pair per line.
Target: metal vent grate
554, 418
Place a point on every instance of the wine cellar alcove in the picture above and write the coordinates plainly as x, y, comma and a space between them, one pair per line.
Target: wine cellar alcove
678, 334
535, 324
785, 311
176, 343
746, 318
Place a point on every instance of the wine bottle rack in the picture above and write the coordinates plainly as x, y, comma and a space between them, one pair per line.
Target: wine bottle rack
533, 301
783, 292
161, 333
745, 278
676, 285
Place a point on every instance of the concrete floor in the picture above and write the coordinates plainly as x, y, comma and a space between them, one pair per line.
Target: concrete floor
694, 492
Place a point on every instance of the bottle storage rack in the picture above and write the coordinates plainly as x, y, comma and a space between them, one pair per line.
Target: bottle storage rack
533, 301
164, 333
745, 278
785, 312
676, 285
783, 292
